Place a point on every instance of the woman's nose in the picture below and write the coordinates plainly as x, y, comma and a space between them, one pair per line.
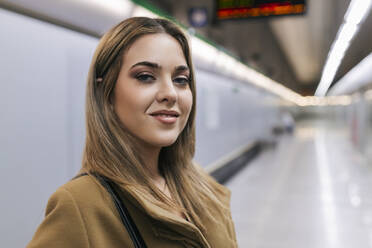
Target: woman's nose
166, 92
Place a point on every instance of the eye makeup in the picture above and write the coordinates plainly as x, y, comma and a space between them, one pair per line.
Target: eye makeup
146, 72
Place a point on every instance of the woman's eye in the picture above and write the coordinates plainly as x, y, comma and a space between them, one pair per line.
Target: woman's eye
182, 80
145, 77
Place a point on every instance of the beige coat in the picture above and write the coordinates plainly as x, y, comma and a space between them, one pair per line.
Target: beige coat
81, 214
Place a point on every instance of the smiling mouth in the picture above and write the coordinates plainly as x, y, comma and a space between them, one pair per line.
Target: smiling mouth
165, 116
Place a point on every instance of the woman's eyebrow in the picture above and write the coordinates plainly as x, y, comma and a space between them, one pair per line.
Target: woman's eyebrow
182, 68
146, 63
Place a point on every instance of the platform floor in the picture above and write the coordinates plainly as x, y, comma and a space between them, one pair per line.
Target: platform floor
313, 190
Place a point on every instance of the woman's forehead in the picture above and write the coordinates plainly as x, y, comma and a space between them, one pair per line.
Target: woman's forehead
161, 49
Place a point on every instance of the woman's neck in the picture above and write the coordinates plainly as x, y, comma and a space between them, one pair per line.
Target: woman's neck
150, 156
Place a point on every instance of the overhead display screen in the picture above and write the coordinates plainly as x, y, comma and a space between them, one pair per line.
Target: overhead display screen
238, 9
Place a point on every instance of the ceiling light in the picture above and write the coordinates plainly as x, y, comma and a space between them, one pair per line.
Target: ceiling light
347, 31
357, 10
355, 14
357, 77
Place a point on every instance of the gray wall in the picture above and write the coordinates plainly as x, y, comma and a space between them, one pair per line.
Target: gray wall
230, 115
43, 71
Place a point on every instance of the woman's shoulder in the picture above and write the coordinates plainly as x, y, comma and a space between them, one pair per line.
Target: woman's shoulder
66, 213
83, 190
80, 184
76, 209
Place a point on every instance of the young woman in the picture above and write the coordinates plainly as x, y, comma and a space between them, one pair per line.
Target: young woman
140, 121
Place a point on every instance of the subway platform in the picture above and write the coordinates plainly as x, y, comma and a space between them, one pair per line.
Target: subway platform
313, 190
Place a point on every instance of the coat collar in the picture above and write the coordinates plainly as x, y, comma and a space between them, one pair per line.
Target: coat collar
167, 224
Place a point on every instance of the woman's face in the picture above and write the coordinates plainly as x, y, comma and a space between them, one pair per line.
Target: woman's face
152, 94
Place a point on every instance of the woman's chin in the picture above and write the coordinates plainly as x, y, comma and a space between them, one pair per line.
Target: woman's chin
164, 142
167, 143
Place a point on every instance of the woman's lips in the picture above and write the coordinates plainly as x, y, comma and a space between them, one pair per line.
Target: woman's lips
166, 119
166, 116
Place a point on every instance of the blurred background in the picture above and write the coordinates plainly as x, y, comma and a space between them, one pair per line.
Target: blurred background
284, 93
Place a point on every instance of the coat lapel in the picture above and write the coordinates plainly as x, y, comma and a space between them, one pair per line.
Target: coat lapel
167, 224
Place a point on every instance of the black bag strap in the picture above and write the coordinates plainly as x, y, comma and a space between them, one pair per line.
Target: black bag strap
125, 217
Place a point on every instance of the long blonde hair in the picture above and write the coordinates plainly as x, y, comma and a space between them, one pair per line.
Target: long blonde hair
111, 151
